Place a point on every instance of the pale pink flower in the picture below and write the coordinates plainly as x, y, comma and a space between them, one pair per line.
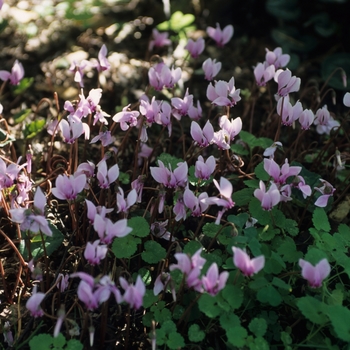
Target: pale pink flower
203, 169
169, 178
327, 191
62, 285
68, 188
270, 151
268, 198
286, 82
263, 73
103, 63
195, 48
289, 114
202, 137
161, 76
123, 205
195, 113
211, 68
233, 126
106, 178
247, 265
324, 121
276, 58
212, 281
194, 203
224, 93
346, 99
33, 303
280, 175
94, 252
221, 37
315, 274
16, 74
181, 106
159, 39
179, 208
133, 294
306, 119
126, 118
105, 137
149, 109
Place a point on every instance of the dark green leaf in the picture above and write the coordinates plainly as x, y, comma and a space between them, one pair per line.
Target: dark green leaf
153, 252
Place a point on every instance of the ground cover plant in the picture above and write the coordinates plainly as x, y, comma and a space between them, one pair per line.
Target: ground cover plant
174, 201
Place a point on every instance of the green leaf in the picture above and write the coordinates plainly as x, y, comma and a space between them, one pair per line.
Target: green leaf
281, 284
236, 335
339, 316
21, 115
195, 334
36, 246
209, 306
228, 320
149, 299
191, 247
291, 227
175, 341
315, 255
210, 229
125, 247
33, 128
258, 283
179, 21
233, 295
320, 220
283, 9
23, 85
239, 149
124, 178
59, 341
258, 326
270, 295
313, 309
139, 225
153, 252
260, 172
74, 344
258, 213
336, 297
288, 250
41, 342
243, 197
197, 182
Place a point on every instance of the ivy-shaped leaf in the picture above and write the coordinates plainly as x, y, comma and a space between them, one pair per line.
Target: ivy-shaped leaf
270, 295
140, 226
339, 316
313, 309
125, 247
320, 220
195, 334
258, 327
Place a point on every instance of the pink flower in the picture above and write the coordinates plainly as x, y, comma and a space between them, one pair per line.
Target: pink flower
212, 281
169, 178
286, 82
233, 126
203, 169
195, 48
126, 118
124, 205
33, 303
179, 208
149, 109
105, 137
133, 294
327, 191
103, 63
306, 118
159, 40
263, 73
181, 106
224, 93
247, 265
288, 113
278, 174
268, 198
315, 274
211, 68
62, 285
195, 113
161, 76
324, 121
68, 188
346, 99
202, 137
106, 178
195, 204
16, 74
71, 131
276, 58
78, 68
221, 37
270, 151
94, 252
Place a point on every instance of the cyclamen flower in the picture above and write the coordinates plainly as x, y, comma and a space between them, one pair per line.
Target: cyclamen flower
68, 188
78, 68
233, 126
324, 121
315, 274
181, 106
126, 118
73, 130
327, 191
92, 210
162, 281
149, 109
124, 205
270, 151
346, 99
211, 68
33, 303
105, 137
203, 169
33, 220
62, 285
179, 208
202, 137
195, 48
224, 93
133, 294
159, 39
288, 113
268, 198
286, 82
106, 178
280, 175
169, 178
213, 282
161, 76
221, 37
94, 252
263, 73
247, 265
103, 63
276, 58
195, 204
16, 74
306, 119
